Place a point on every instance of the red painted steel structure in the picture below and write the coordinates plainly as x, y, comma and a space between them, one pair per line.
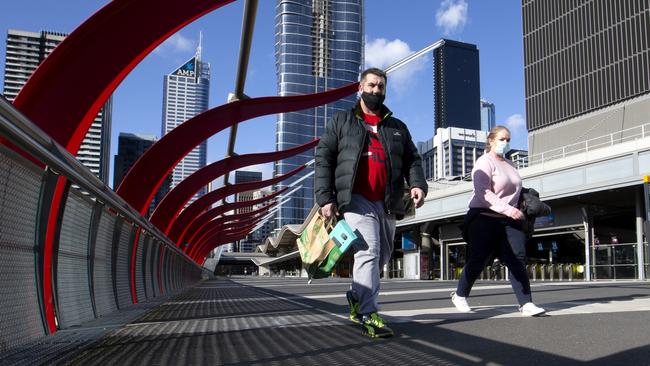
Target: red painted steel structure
229, 229
205, 217
220, 239
218, 225
181, 223
176, 199
195, 236
66, 92
225, 222
147, 174
107, 46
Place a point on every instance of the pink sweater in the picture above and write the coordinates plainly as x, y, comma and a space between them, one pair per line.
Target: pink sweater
496, 185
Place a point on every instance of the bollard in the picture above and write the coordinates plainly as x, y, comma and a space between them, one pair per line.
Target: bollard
543, 271
534, 268
571, 272
551, 272
561, 277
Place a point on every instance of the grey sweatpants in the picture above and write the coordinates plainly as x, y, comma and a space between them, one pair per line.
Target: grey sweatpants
372, 249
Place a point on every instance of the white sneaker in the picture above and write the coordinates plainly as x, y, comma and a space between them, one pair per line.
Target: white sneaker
530, 309
460, 303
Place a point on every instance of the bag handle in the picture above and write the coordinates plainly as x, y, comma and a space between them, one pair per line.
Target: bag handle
329, 224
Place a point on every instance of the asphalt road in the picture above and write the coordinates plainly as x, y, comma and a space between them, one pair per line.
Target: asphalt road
285, 321
596, 323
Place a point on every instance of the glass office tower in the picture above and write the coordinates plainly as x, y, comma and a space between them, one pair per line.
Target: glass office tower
318, 46
456, 85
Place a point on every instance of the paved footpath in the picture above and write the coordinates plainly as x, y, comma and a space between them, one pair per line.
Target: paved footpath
285, 321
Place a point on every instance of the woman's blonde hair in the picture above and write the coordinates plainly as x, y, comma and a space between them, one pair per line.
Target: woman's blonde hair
493, 134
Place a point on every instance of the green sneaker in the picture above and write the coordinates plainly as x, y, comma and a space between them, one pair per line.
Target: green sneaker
375, 327
355, 317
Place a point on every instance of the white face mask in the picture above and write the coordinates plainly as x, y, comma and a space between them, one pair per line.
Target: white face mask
502, 147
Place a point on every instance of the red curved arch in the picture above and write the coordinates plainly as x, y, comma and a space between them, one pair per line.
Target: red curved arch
227, 231
222, 238
181, 223
219, 240
176, 199
107, 46
143, 180
214, 226
206, 216
223, 220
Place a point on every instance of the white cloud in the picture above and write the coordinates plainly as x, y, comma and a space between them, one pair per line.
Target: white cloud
177, 43
452, 15
516, 122
382, 53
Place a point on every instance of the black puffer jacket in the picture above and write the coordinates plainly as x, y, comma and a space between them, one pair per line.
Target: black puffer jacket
340, 148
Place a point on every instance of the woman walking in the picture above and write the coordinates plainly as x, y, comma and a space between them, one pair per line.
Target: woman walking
493, 224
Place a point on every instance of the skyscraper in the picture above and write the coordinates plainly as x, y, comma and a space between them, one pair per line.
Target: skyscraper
586, 69
25, 51
186, 92
130, 147
319, 46
488, 117
451, 153
456, 85
243, 176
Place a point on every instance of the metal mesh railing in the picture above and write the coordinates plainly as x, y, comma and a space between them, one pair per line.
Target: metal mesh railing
87, 248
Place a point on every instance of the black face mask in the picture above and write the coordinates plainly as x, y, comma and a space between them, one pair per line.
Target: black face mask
373, 101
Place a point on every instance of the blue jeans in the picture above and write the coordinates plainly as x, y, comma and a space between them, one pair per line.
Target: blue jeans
490, 236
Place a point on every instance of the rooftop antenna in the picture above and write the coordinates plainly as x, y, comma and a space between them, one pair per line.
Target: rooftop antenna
199, 48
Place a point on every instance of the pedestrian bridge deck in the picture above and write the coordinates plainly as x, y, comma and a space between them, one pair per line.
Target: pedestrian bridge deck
249, 320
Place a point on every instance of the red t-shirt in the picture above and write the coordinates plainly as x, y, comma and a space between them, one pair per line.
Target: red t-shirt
372, 173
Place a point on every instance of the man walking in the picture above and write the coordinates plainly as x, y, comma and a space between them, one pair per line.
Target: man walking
363, 161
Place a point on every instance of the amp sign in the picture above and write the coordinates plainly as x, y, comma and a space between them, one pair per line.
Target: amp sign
188, 69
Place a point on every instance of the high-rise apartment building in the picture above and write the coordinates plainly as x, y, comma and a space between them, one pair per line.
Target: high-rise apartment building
25, 51
242, 176
130, 147
259, 235
488, 115
451, 153
456, 86
186, 92
586, 69
318, 46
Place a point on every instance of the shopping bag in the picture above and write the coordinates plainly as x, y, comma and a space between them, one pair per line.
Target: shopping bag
340, 238
342, 235
314, 243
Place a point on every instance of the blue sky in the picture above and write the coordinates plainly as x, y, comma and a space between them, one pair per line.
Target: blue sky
393, 29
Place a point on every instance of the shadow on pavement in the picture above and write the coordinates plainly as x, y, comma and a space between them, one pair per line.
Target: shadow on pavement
221, 322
